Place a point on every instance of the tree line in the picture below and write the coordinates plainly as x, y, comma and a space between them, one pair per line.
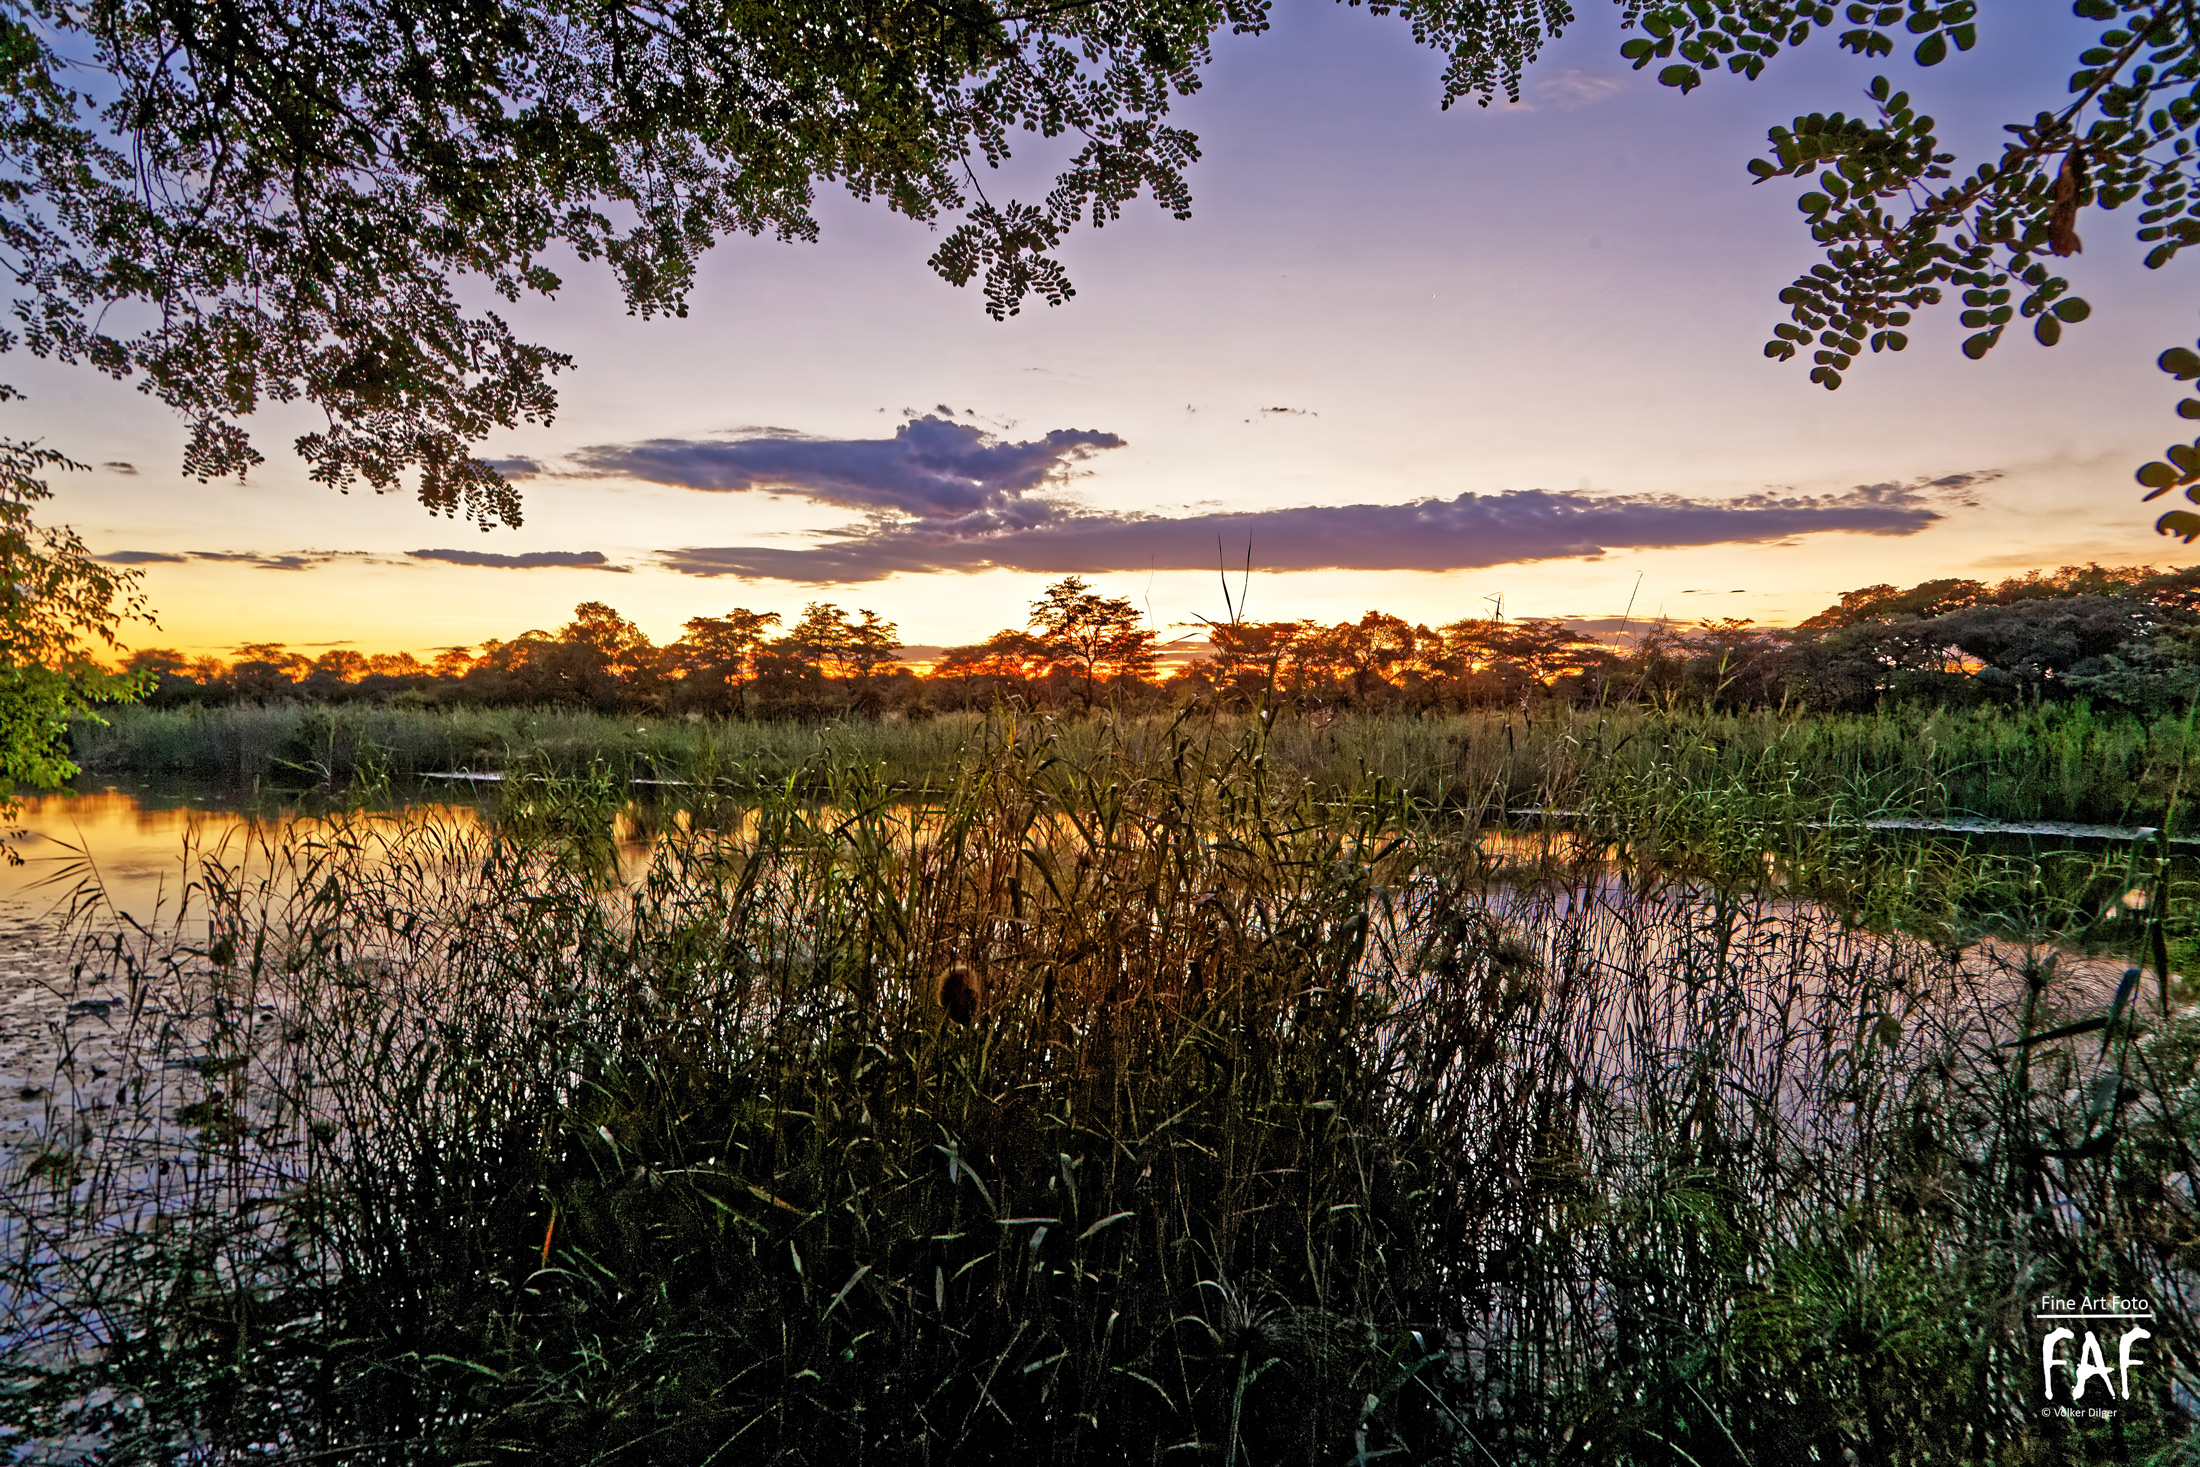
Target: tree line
2128, 637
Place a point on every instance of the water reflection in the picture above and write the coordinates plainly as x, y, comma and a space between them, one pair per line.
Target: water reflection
132, 843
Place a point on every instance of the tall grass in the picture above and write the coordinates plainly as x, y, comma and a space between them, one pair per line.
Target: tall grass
1126, 1101
2060, 762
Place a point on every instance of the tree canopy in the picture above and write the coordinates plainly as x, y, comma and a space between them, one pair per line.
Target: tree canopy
272, 200
58, 606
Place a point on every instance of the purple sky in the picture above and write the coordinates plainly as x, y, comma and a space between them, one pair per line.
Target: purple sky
1417, 360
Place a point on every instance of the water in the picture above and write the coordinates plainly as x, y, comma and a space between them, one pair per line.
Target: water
117, 857
132, 842
1671, 973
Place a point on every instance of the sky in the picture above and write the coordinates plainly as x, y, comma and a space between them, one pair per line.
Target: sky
1433, 363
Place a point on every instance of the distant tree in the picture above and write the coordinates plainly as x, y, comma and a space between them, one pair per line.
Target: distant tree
1885, 603
871, 644
158, 662
1254, 660
836, 647
1509, 660
1365, 656
1094, 636
342, 664
717, 657
395, 664
264, 670
599, 628
1009, 661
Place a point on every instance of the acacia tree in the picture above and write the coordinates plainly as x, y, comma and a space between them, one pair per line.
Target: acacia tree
1094, 636
827, 642
719, 653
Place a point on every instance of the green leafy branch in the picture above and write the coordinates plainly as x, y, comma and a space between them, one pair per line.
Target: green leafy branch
1901, 228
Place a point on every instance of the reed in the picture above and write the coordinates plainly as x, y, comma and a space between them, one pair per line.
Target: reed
1130, 1098
2058, 762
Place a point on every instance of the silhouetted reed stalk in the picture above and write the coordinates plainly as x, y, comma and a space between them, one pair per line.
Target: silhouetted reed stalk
1268, 1128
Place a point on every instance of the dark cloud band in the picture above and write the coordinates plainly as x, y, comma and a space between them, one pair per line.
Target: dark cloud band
1471, 531
933, 469
308, 559
528, 560
287, 561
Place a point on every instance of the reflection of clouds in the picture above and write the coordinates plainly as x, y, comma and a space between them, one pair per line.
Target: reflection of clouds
1471, 531
526, 560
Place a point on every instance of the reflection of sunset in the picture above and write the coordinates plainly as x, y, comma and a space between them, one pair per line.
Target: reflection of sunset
140, 848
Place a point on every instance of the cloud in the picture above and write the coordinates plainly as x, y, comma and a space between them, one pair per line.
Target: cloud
287, 561
514, 468
951, 476
118, 466
528, 560
1468, 532
1572, 88
296, 560
140, 557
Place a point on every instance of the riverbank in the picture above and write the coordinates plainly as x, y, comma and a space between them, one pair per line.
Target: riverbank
2060, 762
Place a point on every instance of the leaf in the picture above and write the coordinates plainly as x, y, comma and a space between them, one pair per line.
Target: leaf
1978, 346
2083, 1026
853, 1279
1687, 78
1932, 50
1109, 1221
2122, 1001
2180, 363
2048, 330
2182, 523
2157, 476
2071, 309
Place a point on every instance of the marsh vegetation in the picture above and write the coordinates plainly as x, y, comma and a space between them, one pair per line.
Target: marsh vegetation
1147, 1088
2057, 762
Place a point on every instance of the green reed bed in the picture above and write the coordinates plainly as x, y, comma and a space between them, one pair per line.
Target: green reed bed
2059, 762
1125, 1104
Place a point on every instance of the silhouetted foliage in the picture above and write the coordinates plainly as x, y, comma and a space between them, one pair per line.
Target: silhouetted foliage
2121, 637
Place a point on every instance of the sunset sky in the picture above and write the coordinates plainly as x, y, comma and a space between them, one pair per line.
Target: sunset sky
1420, 360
